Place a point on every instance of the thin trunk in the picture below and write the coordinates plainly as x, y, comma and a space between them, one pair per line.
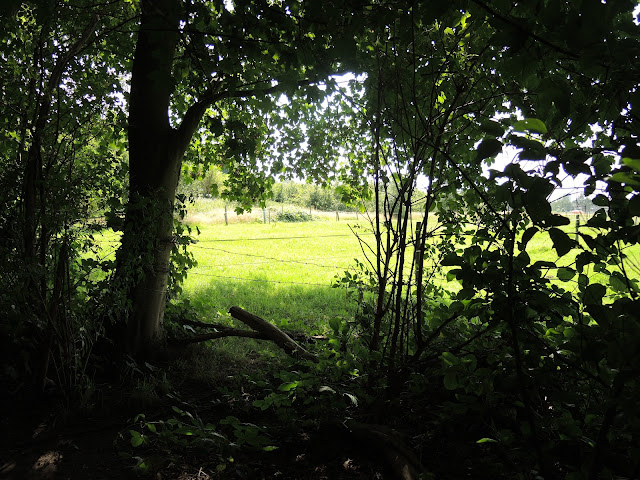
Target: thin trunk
399, 282
381, 267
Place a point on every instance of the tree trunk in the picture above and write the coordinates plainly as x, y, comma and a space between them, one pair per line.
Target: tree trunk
155, 157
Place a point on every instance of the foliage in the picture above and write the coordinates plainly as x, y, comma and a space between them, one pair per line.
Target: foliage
153, 444
197, 180
62, 159
535, 360
580, 203
293, 216
332, 388
507, 335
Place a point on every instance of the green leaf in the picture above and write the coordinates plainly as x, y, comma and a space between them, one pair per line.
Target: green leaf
286, 387
565, 274
538, 208
526, 143
561, 241
136, 438
527, 236
450, 381
594, 293
269, 448
450, 260
530, 125
353, 398
489, 147
632, 163
557, 221
466, 294
600, 200
492, 128
618, 282
325, 388
449, 358
185, 430
626, 177
487, 440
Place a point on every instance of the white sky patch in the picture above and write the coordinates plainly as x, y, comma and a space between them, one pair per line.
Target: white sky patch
572, 186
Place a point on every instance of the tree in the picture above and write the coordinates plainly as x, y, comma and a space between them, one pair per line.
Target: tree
197, 59
58, 120
447, 88
562, 204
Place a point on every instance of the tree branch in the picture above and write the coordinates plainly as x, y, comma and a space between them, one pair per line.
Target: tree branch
519, 27
273, 333
194, 114
261, 330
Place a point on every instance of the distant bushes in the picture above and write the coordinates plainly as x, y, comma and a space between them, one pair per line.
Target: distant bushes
294, 216
308, 196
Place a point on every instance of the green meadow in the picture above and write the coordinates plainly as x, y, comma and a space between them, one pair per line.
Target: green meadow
282, 272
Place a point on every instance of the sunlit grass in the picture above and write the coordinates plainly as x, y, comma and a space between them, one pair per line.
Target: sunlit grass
284, 272
281, 271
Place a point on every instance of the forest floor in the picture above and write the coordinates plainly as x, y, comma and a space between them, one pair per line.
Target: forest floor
37, 447
44, 440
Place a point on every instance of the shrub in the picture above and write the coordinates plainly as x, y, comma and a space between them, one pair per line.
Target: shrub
294, 216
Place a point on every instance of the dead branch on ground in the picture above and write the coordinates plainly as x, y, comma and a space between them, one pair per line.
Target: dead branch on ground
261, 330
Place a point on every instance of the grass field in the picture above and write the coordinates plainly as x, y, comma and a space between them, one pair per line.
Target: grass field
283, 272
280, 271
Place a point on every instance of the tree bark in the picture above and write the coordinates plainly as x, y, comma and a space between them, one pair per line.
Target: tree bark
155, 157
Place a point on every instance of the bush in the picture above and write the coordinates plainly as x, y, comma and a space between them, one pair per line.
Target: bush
294, 216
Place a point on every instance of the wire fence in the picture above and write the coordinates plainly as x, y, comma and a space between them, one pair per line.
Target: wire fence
271, 259
336, 263
260, 280
289, 260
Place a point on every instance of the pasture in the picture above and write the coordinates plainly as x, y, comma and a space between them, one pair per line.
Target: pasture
280, 271
284, 271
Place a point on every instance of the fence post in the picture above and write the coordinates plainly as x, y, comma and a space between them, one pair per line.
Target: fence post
337, 216
269, 215
264, 215
226, 220
356, 215
577, 225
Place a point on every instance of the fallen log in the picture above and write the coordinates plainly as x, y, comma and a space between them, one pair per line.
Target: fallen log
260, 330
272, 333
